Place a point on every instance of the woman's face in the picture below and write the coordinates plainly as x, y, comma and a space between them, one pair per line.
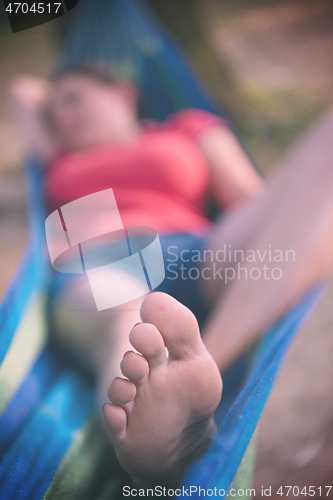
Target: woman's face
89, 113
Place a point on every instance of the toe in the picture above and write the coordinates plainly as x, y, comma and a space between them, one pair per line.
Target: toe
146, 339
121, 391
114, 420
134, 366
176, 323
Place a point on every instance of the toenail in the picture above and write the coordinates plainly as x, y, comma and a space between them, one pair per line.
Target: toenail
127, 352
136, 324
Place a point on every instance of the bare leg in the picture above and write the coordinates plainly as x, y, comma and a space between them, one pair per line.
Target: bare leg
295, 213
95, 340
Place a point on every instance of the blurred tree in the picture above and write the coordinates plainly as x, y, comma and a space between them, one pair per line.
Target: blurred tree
185, 19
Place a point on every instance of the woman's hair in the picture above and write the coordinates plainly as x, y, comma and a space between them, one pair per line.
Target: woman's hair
100, 71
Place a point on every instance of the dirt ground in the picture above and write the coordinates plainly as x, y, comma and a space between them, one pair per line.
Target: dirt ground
295, 444
281, 56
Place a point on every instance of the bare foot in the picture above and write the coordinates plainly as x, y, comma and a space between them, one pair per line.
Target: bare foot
161, 416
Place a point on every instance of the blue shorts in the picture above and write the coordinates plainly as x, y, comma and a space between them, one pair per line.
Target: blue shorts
182, 275
181, 281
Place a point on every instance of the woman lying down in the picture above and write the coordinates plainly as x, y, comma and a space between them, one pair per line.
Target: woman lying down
160, 373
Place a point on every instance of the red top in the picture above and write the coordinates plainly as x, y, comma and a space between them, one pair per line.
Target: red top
160, 180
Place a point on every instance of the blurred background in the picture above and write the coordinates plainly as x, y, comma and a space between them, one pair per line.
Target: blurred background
270, 63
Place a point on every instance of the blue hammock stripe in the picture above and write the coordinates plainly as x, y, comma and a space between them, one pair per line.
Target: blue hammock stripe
27, 398
35, 455
178, 91
15, 302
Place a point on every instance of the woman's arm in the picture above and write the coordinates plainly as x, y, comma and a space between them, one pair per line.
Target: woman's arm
233, 178
30, 100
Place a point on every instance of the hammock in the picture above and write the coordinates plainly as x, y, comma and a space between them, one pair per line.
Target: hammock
52, 443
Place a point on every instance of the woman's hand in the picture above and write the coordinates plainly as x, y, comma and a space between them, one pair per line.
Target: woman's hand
30, 92
30, 100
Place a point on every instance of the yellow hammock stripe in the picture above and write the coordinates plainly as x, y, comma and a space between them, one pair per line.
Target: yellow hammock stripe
27, 344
